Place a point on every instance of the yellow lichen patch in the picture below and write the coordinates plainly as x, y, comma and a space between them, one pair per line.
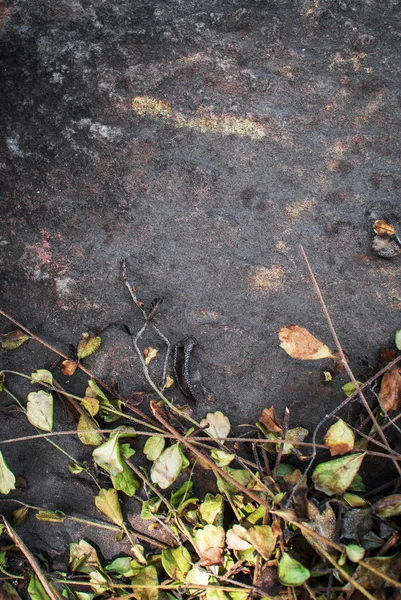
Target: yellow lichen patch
355, 60
295, 209
333, 165
263, 279
200, 120
339, 148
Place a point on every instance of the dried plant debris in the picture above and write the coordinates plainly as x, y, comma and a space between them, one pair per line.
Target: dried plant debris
284, 527
386, 242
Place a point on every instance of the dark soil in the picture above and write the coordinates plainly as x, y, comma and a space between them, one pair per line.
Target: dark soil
210, 221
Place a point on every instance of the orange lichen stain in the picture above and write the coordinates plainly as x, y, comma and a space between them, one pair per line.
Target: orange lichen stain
201, 120
355, 60
265, 279
296, 208
333, 165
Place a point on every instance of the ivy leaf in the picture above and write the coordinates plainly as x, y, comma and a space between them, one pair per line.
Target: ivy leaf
240, 475
39, 410
36, 590
221, 458
87, 433
176, 562
153, 447
291, 572
91, 405
168, 466
336, 476
146, 577
108, 503
7, 479
121, 567
108, 456
216, 424
13, 339
339, 438
126, 481
88, 344
42, 376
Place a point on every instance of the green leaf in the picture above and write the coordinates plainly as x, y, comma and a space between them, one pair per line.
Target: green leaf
108, 456
83, 558
256, 515
150, 508
357, 484
121, 567
336, 476
198, 576
108, 503
339, 438
88, 344
74, 468
240, 475
146, 577
181, 494
354, 552
168, 466
13, 339
176, 562
154, 447
389, 506
96, 389
36, 590
291, 572
221, 458
7, 479
212, 509
99, 582
214, 592
262, 539
87, 433
349, 388
2, 381
398, 339
126, 481
50, 516
42, 376
91, 405
354, 500
39, 410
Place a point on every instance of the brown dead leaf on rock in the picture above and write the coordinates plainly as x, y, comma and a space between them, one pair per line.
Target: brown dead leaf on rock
68, 367
381, 227
390, 390
299, 343
211, 556
149, 354
269, 421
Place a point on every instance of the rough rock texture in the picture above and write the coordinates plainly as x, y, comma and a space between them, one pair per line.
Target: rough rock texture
201, 141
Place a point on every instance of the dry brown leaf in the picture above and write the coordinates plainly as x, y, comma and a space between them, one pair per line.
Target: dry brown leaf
299, 343
390, 389
69, 367
149, 354
211, 556
383, 228
269, 421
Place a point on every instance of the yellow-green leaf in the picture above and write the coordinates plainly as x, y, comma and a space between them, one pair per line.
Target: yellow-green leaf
153, 447
262, 539
88, 344
50, 516
42, 376
36, 590
389, 506
291, 572
176, 562
7, 479
108, 456
39, 410
87, 433
339, 438
146, 577
19, 516
83, 557
108, 503
336, 476
13, 339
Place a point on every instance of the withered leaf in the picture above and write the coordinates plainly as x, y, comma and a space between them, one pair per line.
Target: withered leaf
13, 339
389, 506
390, 390
269, 421
339, 438
68, 367
299, 343
268, 581
381, 227
149, 354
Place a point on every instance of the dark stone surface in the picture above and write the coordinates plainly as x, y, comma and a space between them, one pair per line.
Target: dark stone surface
210, 221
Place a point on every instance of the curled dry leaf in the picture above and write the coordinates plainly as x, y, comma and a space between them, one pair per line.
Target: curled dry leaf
169, 382
389, 506
149, 354
13, 339
269, 421
381, 227
88, 344
299, 343
339, 438
68, 367
390, 390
